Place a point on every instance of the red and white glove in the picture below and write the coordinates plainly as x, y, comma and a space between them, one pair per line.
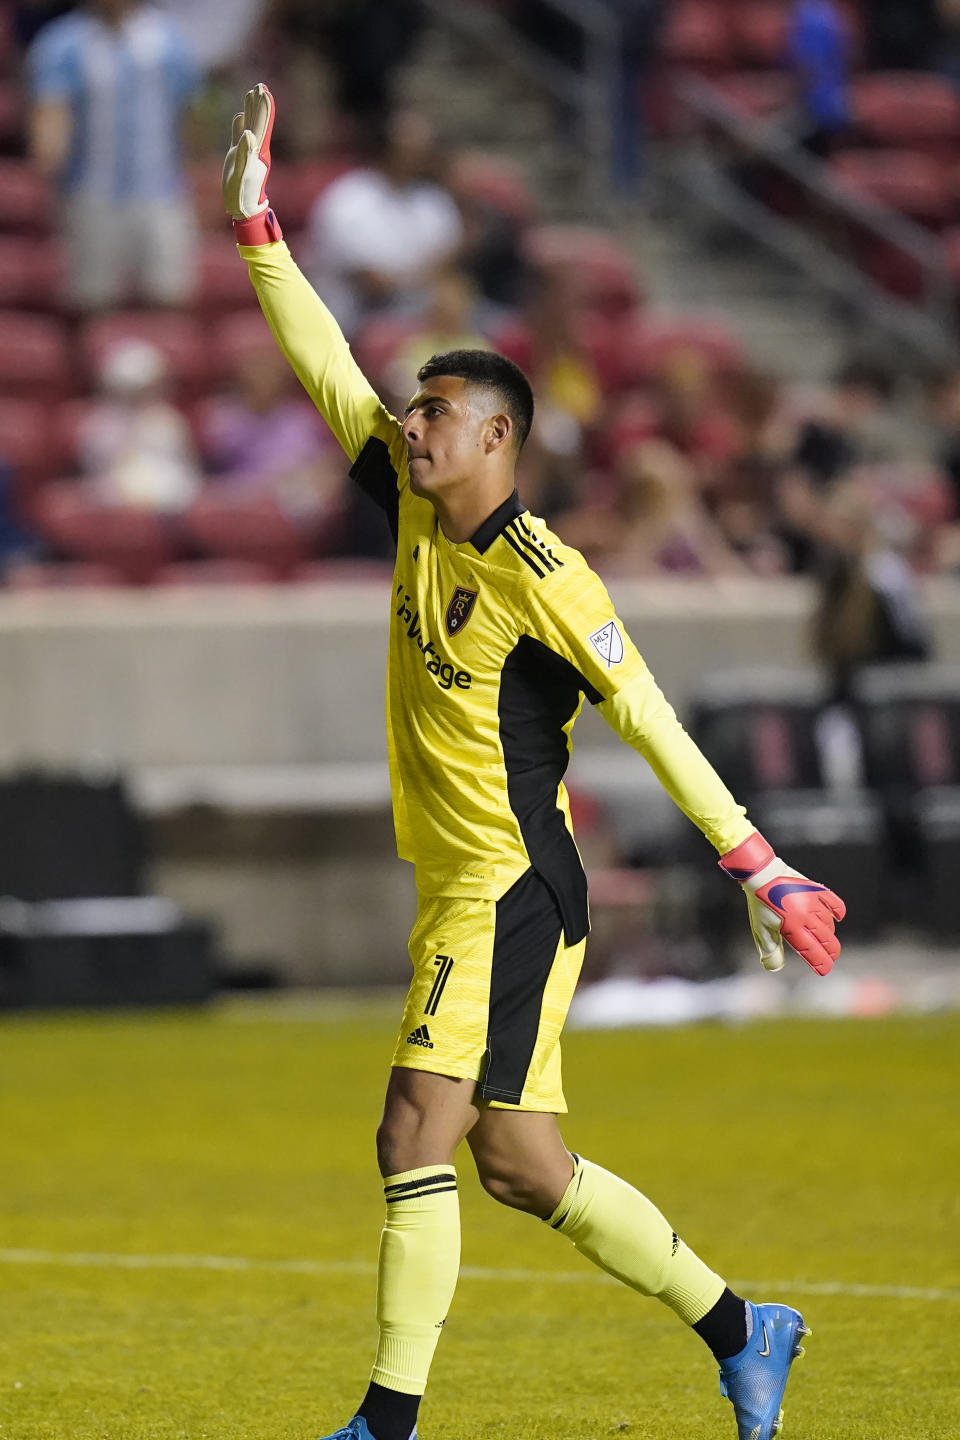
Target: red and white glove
785, 905
247, 168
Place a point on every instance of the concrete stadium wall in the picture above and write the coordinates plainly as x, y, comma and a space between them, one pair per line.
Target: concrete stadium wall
289, 681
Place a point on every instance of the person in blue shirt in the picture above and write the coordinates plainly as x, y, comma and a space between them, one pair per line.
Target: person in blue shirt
109, 85
818, 52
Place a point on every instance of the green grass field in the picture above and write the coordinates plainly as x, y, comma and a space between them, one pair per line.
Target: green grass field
803, 1160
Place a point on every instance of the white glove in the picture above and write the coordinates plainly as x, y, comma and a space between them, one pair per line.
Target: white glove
784, 905
246, 170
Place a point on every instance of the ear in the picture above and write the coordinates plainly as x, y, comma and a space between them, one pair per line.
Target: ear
497, 432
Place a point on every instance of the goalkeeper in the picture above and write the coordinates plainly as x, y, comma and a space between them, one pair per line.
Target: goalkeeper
498, 633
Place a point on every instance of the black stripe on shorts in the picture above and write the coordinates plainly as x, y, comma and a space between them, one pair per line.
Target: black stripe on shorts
526, 936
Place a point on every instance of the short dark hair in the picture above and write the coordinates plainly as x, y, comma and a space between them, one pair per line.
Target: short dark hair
494, 372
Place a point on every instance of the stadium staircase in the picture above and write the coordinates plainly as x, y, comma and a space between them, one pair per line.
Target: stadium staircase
785, 325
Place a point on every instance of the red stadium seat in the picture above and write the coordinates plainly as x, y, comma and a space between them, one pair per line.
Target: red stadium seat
917, 185
250, 530
35, 356
761, 94
238, 334
654, 339
26, 441
27, 207
31, 273
135, 543
381, 340
605, 276
495, 182
224, 284
179, 337
909, 110
759, 31
294, 188
698, 36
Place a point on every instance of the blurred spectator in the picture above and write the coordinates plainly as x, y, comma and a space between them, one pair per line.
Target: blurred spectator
15, 543
901, 34
365, 41
818, 53
30, 16
851, 428
453, 320
491, 250
265, 440
134, 447
868, 610
692, 416
217, 32
639, 24
657, 523
110, 83
379, 232
745, 490
948, 46
568, 392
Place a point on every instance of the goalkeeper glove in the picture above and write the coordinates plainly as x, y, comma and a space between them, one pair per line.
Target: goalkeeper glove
246, 169
785, 905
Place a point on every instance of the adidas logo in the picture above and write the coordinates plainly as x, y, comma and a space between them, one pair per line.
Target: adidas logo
420, 1036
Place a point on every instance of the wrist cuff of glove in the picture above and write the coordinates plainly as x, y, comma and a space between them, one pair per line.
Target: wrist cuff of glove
750, 856
262, 229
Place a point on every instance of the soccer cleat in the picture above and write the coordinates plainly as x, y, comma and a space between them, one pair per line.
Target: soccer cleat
754, 1380
356, 1430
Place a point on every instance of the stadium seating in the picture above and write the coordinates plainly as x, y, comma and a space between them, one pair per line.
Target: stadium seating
493, 181
224, 281
35, 357
604, 273
27, 203
907, 110
650, 340
758, 29
134, 543
11, 114
762, 94
254, 530
915, 183
31, 273
179, 336
698, 36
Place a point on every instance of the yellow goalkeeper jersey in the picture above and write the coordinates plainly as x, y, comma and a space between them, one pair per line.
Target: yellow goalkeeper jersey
495, 643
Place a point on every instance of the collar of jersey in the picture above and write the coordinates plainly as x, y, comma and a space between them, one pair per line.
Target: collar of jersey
483, 538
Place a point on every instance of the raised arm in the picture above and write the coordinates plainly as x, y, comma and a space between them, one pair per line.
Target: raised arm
302, 325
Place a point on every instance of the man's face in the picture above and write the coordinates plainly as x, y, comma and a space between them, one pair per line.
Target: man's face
444, 427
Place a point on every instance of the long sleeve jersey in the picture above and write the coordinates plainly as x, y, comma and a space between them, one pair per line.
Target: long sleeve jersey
495, 644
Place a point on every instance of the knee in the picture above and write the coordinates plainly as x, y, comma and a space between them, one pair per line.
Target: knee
517, 1188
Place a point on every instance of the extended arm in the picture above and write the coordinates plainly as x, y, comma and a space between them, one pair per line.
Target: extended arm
577, 619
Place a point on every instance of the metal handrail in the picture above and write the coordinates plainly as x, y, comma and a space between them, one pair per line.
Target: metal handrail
930, 326
590, 93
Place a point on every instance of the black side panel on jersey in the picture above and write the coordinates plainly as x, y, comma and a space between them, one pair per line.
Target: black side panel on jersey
374, 473
526, 937
539, 691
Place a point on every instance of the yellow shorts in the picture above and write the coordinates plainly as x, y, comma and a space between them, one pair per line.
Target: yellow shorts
492, 983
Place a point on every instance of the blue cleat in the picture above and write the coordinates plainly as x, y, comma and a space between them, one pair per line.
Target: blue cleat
754, 1380
356, 1430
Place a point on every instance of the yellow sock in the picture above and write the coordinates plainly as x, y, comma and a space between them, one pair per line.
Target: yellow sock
621, 1231
418, 1268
